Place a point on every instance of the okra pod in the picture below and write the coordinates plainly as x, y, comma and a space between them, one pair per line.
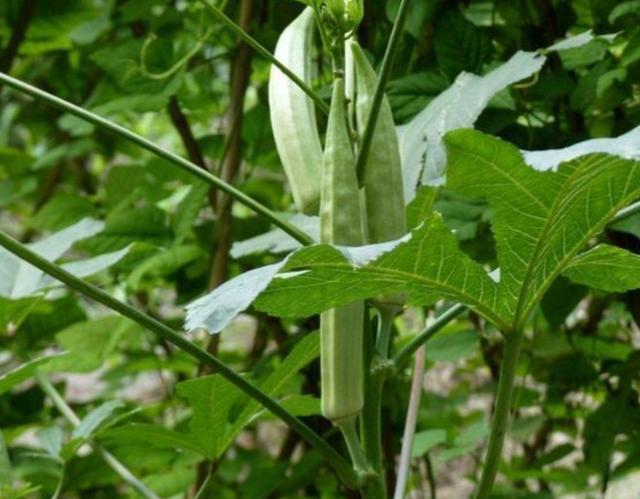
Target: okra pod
293, 117
340, 220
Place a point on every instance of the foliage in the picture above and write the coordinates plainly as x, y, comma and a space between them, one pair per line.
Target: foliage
517, 220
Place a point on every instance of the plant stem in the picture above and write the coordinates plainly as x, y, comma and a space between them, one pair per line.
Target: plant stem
410, 424
385, 71
341, 466
255, 45
349, 432
6, 472
109, 458
371, 420
387, 316
501, 413
427, 333
179, 161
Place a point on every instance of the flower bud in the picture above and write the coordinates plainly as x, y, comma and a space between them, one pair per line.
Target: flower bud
346, 14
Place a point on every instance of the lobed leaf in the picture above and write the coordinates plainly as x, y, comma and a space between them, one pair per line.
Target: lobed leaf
542, 219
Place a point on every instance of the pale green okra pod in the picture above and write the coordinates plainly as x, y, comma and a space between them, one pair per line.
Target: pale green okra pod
341, 328
293, 117
383, 185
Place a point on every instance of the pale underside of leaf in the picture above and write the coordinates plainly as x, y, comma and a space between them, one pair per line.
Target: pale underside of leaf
625, 146
423, 152
20, 279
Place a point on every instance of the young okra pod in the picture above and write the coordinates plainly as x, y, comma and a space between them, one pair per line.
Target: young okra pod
383, 186
293, 116
340, 221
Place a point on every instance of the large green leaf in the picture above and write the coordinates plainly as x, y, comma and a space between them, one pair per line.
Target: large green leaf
542, 219
426, 266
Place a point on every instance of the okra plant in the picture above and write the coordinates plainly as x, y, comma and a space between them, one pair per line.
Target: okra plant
383, 183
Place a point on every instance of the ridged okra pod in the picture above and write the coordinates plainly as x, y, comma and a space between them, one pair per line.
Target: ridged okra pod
340, 221
383, 186
293, 116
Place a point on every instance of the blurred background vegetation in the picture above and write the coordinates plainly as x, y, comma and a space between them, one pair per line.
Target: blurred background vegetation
171, 72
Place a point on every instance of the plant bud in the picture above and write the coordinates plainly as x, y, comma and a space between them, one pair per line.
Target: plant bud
346, 14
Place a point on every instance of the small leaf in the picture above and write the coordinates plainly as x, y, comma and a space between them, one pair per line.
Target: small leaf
459, 45
24, 372
424, 441
452, 345
154, 436
95, 418
187, 211
88, 426
51, 440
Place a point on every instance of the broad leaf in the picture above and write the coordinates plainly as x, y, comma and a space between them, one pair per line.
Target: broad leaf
542, 219
425, 266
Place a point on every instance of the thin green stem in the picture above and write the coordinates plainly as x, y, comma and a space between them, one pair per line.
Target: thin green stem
387, 314
202, 493
109, 458
6, 472
501, 413
349, 432
371, 422
341, 466
61, 481
427, 333
385, 71
173, 158
255, 45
